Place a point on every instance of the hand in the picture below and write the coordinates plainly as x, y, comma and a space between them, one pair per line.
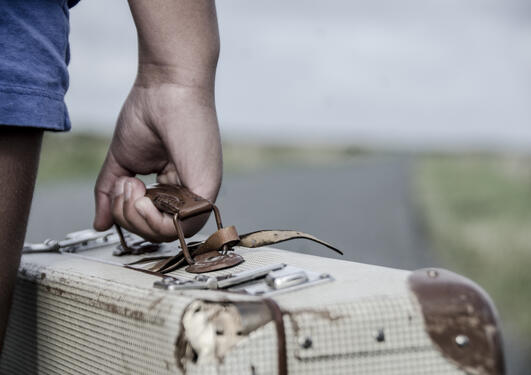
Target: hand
163, 128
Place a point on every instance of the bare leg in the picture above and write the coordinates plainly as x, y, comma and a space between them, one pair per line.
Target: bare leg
19, 159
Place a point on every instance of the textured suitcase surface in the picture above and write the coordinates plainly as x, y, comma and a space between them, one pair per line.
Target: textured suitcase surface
83, 313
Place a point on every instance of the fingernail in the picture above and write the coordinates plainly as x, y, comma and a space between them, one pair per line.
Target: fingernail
128, 190
119, 188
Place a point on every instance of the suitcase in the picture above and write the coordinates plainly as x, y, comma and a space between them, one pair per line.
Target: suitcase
81, 311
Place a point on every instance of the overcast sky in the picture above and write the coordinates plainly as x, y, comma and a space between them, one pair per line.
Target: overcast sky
412, 72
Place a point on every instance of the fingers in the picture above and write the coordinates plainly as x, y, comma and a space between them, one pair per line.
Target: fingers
127, 190
103, 218
132, 210
159, 223
192, 225
136, 213
109, 174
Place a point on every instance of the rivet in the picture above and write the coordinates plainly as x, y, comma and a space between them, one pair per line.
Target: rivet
305, 342
462, 340
201, 278
433, 273
324, 275
380, 335
166, 280
212, 283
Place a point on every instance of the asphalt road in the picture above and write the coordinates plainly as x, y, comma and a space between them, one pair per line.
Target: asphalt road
366, 208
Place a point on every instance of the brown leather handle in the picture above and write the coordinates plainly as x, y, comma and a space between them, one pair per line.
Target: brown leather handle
176, 199
211, 254
181, 203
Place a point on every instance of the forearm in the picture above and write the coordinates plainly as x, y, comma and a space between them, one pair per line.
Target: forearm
178, 42
168, 124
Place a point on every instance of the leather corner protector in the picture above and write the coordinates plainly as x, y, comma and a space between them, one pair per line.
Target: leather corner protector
460, 319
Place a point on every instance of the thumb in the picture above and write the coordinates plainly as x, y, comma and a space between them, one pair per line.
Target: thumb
110, 172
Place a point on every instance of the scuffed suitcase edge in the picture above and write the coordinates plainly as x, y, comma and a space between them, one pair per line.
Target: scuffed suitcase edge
210, 329
460, 319
139, 309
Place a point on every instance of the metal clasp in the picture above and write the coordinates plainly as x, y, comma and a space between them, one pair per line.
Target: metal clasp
181, 204
216, 282
262, 281
47, 246
74, 242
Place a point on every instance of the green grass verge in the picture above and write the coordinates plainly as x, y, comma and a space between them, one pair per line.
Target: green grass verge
478, 214
245, 157
80, 156
71, 156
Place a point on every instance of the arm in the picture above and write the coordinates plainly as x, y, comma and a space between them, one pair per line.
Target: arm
19, 158
168, 122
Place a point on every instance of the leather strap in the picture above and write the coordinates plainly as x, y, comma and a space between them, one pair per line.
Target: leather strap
278, 318
229, 237
211, 254
270, 237
174, 199
224, 236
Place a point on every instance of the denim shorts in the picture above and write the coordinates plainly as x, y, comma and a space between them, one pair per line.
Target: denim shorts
34, 55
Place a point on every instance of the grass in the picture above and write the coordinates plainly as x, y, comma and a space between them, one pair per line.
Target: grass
80, 156
69, 156
478, 214
244, 157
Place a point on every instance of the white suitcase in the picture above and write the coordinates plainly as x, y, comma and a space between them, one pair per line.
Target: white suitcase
83, 312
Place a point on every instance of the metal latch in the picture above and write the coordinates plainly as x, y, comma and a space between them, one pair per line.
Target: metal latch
283, 281
216, 282
74, 242
263, 281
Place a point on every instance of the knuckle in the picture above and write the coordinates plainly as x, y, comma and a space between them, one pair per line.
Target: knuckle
98, 189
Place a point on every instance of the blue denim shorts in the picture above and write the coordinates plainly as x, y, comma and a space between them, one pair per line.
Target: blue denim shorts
34, 55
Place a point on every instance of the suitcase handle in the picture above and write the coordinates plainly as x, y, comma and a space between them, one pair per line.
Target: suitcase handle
181, 203
213, 253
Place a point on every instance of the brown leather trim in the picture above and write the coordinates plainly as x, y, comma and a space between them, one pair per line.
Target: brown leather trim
460, 319
277, 315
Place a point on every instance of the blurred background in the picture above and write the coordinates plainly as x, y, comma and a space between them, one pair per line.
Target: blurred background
400, 131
